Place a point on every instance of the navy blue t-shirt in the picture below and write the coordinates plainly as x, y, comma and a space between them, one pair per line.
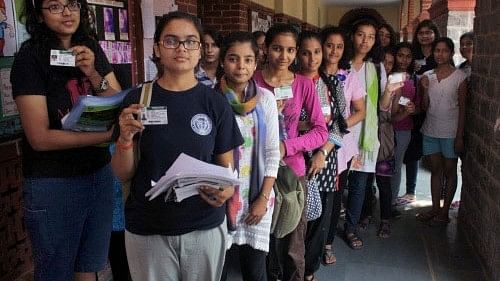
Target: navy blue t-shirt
200, 124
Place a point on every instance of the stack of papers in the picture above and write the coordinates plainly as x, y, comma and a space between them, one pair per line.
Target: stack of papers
187, 174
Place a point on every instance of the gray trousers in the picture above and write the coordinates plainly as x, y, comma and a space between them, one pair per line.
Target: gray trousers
198, 255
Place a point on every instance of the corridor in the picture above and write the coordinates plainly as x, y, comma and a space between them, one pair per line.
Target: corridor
414, 252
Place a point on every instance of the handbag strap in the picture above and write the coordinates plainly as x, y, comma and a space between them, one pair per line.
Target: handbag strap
145, 99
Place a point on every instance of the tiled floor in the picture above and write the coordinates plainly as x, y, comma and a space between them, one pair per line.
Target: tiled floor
414, 252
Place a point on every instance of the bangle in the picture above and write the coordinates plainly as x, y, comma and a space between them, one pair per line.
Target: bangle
124, 146
324, 151
265, 196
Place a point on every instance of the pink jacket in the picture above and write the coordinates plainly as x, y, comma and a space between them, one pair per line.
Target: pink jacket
304, 96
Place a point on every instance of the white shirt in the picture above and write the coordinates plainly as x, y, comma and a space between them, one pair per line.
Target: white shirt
441, 120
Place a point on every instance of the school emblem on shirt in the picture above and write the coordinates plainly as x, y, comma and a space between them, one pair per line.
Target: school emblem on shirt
201, 124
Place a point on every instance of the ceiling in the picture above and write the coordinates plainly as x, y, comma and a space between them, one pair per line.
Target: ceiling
360, 2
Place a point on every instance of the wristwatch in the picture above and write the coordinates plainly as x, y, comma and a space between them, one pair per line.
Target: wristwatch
103, 86
324, 151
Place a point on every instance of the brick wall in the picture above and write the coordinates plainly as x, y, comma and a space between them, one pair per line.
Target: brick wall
15, 251
224, 15
480, 208
188, 6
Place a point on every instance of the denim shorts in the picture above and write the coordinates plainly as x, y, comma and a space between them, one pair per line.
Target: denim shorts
445, 146
69, 223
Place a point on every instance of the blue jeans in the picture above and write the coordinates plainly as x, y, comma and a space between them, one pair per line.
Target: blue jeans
69, 223
355, 198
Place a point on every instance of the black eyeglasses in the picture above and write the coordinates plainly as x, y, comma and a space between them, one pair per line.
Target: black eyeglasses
59, 8
171, 42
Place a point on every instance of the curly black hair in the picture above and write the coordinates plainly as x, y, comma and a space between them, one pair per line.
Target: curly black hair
44, 39
326, 32
375, 54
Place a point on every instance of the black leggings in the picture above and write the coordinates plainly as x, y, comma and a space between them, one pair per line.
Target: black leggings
118, 257
337, 204
385, 197
252, 263
317, 231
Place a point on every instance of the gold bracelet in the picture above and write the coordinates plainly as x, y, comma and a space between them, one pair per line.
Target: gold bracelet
265, 196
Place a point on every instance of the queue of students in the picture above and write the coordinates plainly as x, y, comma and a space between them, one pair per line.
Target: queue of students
341, 127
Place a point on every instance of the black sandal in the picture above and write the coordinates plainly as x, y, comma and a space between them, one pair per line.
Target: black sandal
354, 241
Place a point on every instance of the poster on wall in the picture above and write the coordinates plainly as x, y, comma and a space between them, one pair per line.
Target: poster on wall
93, 18
123, 24
7, 104
118, 4
260, 23
109, 24
117, 52
21, 33
151, 9
7, 29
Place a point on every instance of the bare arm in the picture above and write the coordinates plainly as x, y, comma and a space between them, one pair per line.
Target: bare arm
35, 121
359, 112
389, 92
424, 92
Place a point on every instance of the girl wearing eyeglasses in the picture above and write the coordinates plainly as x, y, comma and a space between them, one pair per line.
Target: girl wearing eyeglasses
165, 239
68, 189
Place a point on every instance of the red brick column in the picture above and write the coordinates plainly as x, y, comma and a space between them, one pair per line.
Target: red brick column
224, 15
188, 6
15, 248
480, 208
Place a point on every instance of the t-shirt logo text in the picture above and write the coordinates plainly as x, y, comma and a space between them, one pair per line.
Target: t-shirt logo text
201, 124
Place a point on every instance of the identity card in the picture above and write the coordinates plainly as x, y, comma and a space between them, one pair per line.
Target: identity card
283, 92
62, 58
154, 115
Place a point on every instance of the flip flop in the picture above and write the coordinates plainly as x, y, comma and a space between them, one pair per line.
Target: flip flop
329, 256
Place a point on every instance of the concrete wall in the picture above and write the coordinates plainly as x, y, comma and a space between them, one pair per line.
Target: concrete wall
459, 22
265, 3
292, 8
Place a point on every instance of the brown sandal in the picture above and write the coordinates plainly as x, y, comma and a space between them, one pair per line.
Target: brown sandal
329, 256
354, 241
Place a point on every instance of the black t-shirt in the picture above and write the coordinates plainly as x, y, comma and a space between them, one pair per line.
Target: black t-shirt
201, 124
33, 75
430, 63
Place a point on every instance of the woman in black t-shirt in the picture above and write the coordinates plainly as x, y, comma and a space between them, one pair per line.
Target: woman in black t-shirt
67, 188
166, 239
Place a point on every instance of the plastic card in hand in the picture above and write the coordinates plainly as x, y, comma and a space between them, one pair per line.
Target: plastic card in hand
62, 58
397, 77
283, 92
154, 115
404, 101
421, 62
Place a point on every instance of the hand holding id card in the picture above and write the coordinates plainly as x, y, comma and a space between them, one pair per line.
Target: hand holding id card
62, 58
154, 115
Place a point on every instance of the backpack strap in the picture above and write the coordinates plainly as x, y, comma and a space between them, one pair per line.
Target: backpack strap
146, 93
